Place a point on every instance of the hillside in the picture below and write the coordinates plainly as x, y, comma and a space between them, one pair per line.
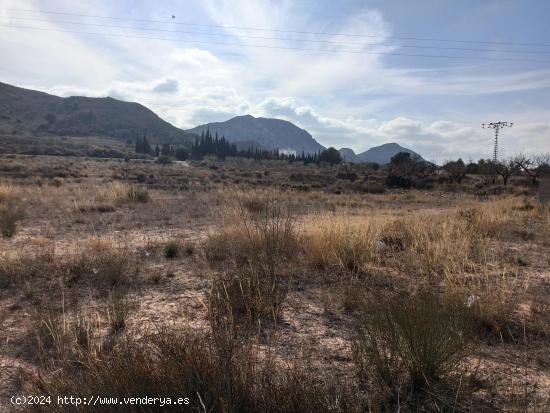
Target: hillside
269, 133
349, 155
379, 154
24, 111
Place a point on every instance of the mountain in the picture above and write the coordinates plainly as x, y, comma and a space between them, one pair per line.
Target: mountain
349, 155
38, 113
269, 133
379, 154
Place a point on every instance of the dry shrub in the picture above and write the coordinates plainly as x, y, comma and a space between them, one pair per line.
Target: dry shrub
179, 365
267, 235
341, 243
63, 340
445, 245
9, 192
540, 313
249, 298
493, 306
106, 198
11, 211
27, 265
120, 193
481, 219
10, 215
98, 263
260, 240
101, 264
171, 249
118, 307
405, 343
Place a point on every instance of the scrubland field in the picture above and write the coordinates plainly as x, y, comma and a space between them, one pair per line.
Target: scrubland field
268, 287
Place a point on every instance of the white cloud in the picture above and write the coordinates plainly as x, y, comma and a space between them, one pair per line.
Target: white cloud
342, 99
168, 85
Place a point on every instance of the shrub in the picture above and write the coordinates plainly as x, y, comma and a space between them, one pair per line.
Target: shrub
251, 297
374, 188
164, 160
396, 181
63, 340
267, 236
26, 266
101, 264
171, 249
411, 342
186, 365
136, 194
11, 212
10, 215
189, 249
118, 307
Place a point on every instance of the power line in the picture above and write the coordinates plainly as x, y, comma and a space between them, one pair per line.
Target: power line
279, 47
327, 42
497, 126
280, 30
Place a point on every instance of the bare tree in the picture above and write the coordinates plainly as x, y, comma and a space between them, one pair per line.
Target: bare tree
505, 169
534, 166
423, 169
456, 170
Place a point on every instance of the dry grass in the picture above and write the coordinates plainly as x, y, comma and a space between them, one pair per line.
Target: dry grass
117, 308
338, 242
248, 299
98, 263
178, 365
63, 340
447, 245
265, 233
106, 198
11, 210
260, 240
313, 267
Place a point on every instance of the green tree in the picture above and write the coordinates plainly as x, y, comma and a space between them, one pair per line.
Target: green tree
331, 156
182, 154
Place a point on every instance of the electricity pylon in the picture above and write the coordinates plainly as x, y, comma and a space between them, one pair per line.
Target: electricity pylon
497, 126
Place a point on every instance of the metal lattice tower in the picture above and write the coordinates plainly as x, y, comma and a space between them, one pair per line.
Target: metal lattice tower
497, 126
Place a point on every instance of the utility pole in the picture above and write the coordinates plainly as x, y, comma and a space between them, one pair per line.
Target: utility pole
497, 126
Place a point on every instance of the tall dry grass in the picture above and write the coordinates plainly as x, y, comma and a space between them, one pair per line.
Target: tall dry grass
445, 244
98, 263
340, 242
258, 240
106, 198
259, 228
186, 365
11, 209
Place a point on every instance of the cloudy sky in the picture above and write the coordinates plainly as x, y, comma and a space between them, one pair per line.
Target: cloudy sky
354, 73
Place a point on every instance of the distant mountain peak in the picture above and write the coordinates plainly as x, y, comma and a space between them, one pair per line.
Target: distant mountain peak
269, 133
380, 154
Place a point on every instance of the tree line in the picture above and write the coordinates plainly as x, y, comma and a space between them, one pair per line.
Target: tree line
404, 169
212, 145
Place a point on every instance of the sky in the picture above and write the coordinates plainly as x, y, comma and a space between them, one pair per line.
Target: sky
353, 73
